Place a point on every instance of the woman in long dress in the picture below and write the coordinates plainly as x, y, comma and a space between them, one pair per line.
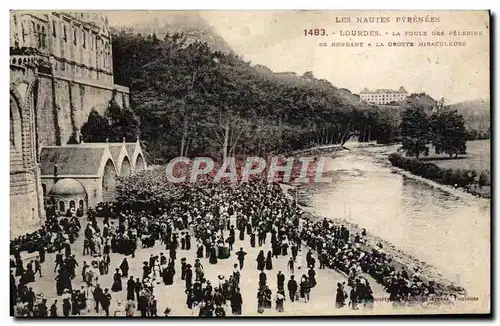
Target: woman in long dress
249, 229
340, 297
170, 272
30, 274
66, 297
19, 268
284, 246
312, 277
267, 297
280, 299
199, 251
269, 261
260, 301
261, 261
124, 267
213, 256
117, 284
252, 240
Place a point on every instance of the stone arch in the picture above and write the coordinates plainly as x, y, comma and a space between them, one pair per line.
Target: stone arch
109, 181
21, 125
15, 123
62, 206
140, 164
21, 97
126, 168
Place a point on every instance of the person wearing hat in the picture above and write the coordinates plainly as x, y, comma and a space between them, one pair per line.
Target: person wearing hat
106, 301
66, 297
53, 309
124, 267
292, 288
97, 294
236, 301
241, 257
183, 268
117, 281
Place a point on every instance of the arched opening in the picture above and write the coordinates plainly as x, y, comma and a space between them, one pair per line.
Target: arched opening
61, 206
139, 163
80, 204
72, 204
16, 159
126, 167
15, 123
109, 182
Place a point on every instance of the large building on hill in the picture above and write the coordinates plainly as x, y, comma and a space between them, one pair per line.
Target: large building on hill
383, 96
60, 69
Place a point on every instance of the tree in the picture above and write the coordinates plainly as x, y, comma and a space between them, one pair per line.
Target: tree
96, 129
122, 123
114, 126
415, 128
449, 135
194, 101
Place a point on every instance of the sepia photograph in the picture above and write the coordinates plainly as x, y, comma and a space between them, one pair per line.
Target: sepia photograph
215, 163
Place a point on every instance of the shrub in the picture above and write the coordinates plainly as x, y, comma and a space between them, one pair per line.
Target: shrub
484, 179
460, 177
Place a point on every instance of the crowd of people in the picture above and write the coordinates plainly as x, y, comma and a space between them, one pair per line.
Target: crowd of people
207, 219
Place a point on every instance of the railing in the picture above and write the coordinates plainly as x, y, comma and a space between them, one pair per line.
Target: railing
23, 60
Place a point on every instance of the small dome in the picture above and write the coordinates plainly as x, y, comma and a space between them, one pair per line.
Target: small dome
67, 187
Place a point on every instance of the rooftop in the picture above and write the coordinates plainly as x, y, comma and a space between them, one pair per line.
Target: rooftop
401, 90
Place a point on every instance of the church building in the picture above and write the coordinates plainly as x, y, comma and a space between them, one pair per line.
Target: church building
61, 69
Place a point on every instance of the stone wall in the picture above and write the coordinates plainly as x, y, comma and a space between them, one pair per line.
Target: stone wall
66, 103
24, 193
47, 110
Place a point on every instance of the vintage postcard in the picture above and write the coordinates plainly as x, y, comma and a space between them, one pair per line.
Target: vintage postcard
249, 163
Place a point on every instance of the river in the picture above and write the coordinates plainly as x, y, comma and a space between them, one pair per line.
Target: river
450, 233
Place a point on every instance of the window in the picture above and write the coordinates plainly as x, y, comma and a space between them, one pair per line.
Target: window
61, 206
54, 28
12, 134
15, 20
65, 35
41, 38
74, 36
84, 40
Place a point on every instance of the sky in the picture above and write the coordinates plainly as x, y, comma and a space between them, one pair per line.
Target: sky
277, 40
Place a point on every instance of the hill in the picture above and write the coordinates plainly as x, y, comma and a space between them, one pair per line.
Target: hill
190, 23
477, 116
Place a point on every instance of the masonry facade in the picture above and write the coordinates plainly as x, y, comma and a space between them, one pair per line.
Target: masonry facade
383, 96
60, 69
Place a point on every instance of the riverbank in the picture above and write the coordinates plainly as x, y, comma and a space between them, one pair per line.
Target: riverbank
400, 259
463, 179
457, 192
